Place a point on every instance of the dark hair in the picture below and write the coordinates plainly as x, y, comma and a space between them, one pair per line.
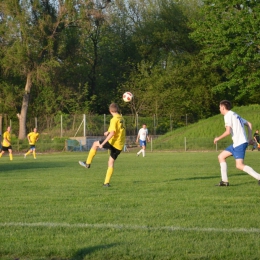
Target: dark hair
226, 104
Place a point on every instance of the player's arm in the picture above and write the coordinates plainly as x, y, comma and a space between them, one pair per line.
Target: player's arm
148, 137
249, 132
226, 133
109, 136
137, 138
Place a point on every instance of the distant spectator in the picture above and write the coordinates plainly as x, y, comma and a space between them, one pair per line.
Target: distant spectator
256, 140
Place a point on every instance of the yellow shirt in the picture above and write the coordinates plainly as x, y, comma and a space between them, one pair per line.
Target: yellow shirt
33, 137
117, 125
7, 136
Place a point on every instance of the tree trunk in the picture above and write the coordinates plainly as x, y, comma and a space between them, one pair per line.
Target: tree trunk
1, 125
23, 115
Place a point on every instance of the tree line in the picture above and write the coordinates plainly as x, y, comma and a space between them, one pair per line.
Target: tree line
77, 56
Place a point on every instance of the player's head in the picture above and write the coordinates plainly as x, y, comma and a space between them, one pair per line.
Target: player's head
224, 105
113, 108
35, 129
144, 125
9, 128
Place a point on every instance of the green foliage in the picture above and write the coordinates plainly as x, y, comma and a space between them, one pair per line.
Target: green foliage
177, 57
230, 43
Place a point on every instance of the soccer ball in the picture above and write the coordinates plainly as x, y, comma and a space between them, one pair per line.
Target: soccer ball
127, 96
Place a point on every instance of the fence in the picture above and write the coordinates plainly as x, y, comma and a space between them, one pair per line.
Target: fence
65, 125
76, 144
190, 144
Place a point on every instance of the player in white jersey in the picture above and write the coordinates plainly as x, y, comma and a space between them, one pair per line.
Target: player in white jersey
142, 137
234, 125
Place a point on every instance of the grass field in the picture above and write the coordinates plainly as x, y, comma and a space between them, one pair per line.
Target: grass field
163, 206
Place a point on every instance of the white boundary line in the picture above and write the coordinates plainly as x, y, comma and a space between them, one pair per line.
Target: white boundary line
129, 227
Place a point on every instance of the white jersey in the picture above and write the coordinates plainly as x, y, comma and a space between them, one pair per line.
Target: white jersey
143, 133
236, 123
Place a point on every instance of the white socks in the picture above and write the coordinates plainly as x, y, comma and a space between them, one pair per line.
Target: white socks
142, 151
251, 172
247, 169
223, 169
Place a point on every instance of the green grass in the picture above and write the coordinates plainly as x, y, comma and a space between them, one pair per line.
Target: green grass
163, 206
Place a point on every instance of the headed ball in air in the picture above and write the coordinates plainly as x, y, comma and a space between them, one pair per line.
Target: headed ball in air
127, 96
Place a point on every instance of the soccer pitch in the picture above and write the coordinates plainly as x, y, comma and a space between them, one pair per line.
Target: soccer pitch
163, 206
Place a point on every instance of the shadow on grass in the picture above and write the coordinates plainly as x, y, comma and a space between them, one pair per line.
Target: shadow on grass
193, 178
205, 177
32, 165
80, 254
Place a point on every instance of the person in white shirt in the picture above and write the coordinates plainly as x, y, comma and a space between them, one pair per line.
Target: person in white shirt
234, 125
142, 137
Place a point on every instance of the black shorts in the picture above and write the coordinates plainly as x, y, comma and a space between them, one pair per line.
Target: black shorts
6, 148
113, 151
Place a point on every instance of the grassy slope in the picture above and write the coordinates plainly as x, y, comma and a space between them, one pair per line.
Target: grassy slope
211, 127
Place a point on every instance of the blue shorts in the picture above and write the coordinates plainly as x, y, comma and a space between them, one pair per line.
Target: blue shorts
32, 147
239, 151
142, 143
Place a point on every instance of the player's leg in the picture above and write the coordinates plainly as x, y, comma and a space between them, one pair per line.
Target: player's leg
241, 166
141, 145
28, 152
1, 154
110, 170
34, 152
223, 167
144, 147
10, 153
239, 154
91, 154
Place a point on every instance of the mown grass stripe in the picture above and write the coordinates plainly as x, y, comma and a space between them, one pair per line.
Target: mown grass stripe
130, 227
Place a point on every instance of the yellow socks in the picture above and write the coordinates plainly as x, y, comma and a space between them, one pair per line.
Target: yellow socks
11, 156
34, 155
109, 174
91, 155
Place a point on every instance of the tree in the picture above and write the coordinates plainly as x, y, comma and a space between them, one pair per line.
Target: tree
229, 36
28, 40
32, 36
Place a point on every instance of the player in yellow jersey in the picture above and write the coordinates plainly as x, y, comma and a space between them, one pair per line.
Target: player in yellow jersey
32, 139
6, 145
114, 141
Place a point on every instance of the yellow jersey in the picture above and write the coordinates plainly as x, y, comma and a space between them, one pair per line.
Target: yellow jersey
117, 125
33, 137
6, 136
